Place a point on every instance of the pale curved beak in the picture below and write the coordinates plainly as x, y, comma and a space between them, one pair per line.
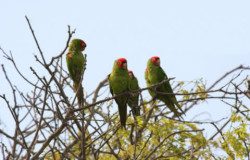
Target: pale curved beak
124, 65
158, 62
130, 75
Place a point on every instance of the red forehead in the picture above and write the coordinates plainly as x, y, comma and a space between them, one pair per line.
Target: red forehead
123, 60
153, 59
130, 71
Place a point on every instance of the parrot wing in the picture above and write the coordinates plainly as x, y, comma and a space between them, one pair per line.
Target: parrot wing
167, 88
70, 67
121, 101
110, 85
133, 99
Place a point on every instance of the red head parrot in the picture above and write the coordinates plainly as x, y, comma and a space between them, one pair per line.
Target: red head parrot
133, 100
119, 82
155, 74
75, 63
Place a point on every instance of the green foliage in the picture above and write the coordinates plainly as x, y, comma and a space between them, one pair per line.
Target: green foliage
236, 140
201, 87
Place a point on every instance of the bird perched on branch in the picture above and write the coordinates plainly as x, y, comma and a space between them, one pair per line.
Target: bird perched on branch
154, 74
133, 99
119, 82
76, 66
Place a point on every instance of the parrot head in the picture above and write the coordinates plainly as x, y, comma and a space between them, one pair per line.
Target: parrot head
83, 45
122, 63
156, 60
131, 74
77, 44
146, 69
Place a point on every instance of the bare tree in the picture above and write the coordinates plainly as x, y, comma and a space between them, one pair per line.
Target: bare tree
49, 124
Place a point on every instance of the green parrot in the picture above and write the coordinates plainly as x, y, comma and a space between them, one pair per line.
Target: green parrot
119, 82
75, 63
133, 100
155, 74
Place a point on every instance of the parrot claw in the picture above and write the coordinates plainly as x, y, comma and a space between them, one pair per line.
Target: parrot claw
133, 94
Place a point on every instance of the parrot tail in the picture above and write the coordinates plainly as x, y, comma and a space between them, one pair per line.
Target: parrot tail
137, 110
75, 86
134, 107
173, 109
79, 94
177, 104
122, 108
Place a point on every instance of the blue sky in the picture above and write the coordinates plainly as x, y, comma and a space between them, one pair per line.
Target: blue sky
193, 38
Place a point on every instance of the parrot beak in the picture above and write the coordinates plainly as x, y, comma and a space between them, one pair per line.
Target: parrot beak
83, 48
158, 62
124, 65
131, 75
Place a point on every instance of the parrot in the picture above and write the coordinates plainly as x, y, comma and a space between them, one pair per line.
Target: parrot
133, 100
119, 82
155, 74
76, 66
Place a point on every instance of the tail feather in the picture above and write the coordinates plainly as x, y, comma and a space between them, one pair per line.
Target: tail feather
137, 109
122, 108
170, 103
133, 104
173, 109
177, 104
80, 96
79, 93
75, 87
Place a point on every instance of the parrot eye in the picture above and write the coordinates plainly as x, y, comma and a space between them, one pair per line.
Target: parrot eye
119, 63
83, 45
154, 59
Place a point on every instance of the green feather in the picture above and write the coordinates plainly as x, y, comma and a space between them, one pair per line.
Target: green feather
75, 45
149, 84
156, 75
75, 63
119, 82
133, 100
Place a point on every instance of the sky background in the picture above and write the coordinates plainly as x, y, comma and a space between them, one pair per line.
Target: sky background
193, 38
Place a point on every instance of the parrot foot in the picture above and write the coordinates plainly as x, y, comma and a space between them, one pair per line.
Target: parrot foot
133, 94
